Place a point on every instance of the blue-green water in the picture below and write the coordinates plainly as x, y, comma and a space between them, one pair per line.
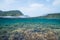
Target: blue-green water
16, 26
28, 20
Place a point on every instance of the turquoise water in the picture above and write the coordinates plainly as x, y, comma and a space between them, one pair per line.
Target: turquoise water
28, 20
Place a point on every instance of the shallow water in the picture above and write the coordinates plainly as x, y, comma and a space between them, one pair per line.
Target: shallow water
27, 20
29, 26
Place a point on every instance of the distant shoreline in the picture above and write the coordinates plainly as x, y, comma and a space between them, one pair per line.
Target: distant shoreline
13, 17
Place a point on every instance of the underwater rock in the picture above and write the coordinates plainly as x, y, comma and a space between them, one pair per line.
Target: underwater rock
4, 37
33, 35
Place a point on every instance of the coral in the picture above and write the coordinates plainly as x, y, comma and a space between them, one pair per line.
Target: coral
33, 34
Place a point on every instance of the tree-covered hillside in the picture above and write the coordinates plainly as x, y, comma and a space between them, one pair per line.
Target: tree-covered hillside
49, 16
55, 15
19, 13
11, 13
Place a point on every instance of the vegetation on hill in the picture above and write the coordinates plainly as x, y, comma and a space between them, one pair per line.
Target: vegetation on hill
11, 13
55, 15
19, 13
49, 16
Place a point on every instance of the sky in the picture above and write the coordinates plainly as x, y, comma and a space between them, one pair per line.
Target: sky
31, 7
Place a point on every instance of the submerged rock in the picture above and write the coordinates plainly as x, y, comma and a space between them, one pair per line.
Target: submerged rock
33, 35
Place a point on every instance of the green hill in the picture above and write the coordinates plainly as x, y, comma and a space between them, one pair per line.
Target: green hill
49, 16
55, 15
11, 13
19, 13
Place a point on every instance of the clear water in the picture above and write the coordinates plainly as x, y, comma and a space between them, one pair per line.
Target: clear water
28, 20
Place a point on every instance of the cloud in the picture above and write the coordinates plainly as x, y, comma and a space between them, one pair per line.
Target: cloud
56, 2
36, 9
36, 5
9, 1
6, 4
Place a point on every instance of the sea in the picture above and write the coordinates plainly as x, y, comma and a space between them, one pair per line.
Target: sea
28, 20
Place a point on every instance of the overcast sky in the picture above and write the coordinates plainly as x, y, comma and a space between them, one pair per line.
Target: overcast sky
31, 7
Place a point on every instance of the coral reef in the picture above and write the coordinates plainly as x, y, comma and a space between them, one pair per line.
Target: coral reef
33, 34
